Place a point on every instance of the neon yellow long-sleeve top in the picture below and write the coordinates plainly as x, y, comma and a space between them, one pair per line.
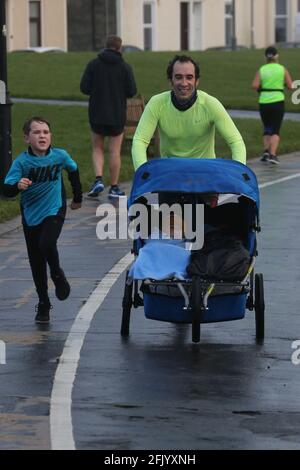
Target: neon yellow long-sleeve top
189, 133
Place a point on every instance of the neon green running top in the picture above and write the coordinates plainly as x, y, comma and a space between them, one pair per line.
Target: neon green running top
272, 76
189, 133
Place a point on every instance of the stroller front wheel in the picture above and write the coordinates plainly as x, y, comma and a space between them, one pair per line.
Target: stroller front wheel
126, 304
259, 305
196, 302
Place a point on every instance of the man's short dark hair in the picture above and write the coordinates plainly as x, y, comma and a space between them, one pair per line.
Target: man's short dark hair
27, 124
182, 59
113, 42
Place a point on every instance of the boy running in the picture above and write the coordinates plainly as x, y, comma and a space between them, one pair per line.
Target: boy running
37, 174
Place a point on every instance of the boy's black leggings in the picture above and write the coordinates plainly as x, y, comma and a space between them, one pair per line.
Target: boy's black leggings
41, 241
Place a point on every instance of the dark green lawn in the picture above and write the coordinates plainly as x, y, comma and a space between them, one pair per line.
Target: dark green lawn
226, 75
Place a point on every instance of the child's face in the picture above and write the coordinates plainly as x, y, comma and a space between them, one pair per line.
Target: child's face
39, 138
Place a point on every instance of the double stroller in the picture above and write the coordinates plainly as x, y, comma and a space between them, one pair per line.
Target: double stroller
163, 279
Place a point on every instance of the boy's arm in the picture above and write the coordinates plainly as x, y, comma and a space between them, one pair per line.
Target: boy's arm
10, 187
73, 175
76, 189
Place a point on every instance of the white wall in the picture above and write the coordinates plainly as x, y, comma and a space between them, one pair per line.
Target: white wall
53, 24
131, 22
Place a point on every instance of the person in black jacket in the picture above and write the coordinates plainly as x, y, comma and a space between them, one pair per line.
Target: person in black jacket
109, 81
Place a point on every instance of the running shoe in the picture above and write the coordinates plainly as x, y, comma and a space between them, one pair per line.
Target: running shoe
265, 157
274, 160
62, 287
115, 191
43, 309
96, 188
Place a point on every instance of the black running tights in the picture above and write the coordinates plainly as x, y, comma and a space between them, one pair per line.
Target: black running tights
41, 241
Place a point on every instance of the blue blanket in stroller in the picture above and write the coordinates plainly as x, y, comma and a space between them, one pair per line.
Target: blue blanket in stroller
161, 259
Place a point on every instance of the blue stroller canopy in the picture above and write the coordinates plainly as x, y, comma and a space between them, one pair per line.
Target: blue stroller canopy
194, 175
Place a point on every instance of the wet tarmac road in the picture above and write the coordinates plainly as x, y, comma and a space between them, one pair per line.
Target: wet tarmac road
155, 390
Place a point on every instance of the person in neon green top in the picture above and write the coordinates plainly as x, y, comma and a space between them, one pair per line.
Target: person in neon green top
186, 118
269, 81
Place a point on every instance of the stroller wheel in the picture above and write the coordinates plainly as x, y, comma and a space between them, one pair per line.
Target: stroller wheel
259, 306
126, 305
196, 302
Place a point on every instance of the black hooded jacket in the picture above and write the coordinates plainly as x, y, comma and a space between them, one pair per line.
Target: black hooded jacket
109, 81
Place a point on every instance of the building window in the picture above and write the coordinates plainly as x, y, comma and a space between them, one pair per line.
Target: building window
35, 23
184, 26
298, 6
281, 21
228, 23
148, 26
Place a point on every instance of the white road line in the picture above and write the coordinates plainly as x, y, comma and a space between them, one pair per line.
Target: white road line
61, 429
280, 180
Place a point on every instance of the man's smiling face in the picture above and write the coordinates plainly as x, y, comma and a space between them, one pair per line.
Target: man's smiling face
183, 81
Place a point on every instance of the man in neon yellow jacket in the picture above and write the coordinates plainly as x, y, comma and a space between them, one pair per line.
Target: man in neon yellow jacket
270, 81
186, 118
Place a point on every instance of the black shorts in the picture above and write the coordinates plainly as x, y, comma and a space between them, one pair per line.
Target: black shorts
106, 130
272, 115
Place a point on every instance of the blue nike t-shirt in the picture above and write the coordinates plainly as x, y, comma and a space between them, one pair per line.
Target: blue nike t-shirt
44, 197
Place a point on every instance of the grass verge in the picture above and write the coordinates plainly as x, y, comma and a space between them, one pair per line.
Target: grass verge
226, 75
71, 131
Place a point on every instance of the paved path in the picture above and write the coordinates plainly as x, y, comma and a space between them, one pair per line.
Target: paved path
157, 390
